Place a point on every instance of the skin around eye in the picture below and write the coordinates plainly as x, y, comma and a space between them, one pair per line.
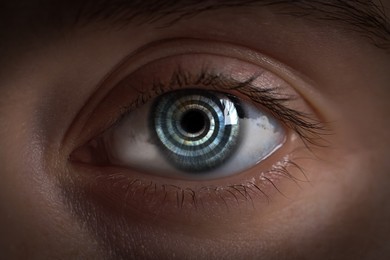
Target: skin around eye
180, 200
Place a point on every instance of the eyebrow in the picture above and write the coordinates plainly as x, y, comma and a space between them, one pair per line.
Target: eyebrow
366, 17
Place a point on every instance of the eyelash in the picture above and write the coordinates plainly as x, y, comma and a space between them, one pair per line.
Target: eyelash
307, 128
189, 197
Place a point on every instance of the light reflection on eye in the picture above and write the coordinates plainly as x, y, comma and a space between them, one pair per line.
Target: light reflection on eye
193, 133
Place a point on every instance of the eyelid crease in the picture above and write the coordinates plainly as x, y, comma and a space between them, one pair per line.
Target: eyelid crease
308, 128
173, 47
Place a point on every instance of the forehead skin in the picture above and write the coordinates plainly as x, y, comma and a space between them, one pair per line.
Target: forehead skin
51, 61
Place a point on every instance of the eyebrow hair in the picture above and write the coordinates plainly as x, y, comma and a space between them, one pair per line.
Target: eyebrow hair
366, 17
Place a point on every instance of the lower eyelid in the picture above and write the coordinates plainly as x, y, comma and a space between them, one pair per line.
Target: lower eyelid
141, 198
146, 197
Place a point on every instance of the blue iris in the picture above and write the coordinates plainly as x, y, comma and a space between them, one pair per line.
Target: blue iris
197, 130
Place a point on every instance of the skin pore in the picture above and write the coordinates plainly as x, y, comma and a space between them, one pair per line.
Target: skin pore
70, 72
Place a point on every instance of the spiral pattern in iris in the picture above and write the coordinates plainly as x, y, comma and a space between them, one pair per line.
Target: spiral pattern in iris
197, 130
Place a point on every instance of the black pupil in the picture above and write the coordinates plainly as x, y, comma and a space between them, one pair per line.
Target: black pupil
193, 121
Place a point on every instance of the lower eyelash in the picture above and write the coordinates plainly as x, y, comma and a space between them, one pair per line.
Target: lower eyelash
185, 197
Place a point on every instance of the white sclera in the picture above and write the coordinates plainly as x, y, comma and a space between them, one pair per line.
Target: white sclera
130, 144
261, 135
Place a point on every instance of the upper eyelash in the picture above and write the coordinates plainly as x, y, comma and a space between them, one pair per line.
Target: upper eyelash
310, 130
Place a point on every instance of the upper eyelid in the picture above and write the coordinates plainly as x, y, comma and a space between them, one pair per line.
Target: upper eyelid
166, 48
183, 46
308, 128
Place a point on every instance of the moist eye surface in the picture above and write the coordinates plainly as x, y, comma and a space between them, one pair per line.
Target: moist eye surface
192, 134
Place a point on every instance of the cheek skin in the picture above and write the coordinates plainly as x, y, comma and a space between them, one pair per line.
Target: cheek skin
349, 201
333, 218
33, 223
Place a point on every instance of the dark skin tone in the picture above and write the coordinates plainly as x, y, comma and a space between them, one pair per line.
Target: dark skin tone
323, 194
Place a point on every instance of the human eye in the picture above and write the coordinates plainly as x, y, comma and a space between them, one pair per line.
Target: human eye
194, 126
192, 133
